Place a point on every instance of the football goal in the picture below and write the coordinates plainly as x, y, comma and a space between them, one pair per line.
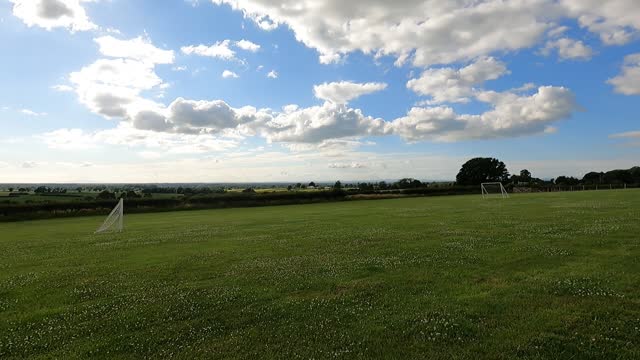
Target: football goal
493, 189
115, 220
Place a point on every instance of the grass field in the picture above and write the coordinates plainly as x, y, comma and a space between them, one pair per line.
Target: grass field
536, 276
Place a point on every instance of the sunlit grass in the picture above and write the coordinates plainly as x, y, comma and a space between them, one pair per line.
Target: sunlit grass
535, 276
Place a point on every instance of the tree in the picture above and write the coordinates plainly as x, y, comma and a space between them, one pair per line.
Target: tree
479, 170
525, 175
408, 183
617, 177
131, 195
593, 178
42, 190
312, 184
567, 180
106, 195
337, 185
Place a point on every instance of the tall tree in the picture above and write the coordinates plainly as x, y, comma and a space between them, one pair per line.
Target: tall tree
525, 175
479, 170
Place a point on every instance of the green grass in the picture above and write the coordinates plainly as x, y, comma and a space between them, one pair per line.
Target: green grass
532, 277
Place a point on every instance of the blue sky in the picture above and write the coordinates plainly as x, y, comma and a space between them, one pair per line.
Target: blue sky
256, 90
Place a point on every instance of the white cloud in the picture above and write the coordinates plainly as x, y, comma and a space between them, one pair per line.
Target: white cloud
51, 14
628, 82
558, 31
247, 45
353, 165
421, 30
139, 48
219, 50
199, 117
229, 74
29, 165
511, 115
111, 87
318, 123
568, 49
451, 85
626, 135
272, 74
290, 108
616, 21
344, 91
68, 139
126, 135
179, 68
429, 32
32, 113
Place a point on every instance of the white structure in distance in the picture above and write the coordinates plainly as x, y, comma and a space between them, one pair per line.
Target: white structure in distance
493, 189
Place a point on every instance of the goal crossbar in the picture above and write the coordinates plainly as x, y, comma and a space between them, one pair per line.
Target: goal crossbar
115, 220
502, 192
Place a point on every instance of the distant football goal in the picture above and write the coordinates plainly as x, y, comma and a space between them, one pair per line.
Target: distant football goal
115, 220
493, 189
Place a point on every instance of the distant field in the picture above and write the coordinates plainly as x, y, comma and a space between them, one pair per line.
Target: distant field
552, 275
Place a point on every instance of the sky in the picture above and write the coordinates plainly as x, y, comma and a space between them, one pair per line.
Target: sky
129, 91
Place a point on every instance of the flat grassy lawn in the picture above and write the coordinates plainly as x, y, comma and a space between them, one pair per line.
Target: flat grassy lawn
532, 277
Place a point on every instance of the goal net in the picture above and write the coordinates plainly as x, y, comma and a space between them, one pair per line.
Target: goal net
493, 189
114, 221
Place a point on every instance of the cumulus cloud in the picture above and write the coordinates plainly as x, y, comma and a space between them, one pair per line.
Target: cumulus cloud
247, 45
49, 14
272, 74
451, 85
511, 115
429, 32
219, 50
344, 91
568, 49
229, 74
616, 21
139, 48
111, 87
318, 123
117, 87
628, 82
420, 30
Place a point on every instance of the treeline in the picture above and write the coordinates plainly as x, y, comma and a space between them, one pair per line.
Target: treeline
26, 211
100, 206
629, 176
139, 197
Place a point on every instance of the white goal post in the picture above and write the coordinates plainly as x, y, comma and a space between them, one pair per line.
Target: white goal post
115, 220
493, 189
